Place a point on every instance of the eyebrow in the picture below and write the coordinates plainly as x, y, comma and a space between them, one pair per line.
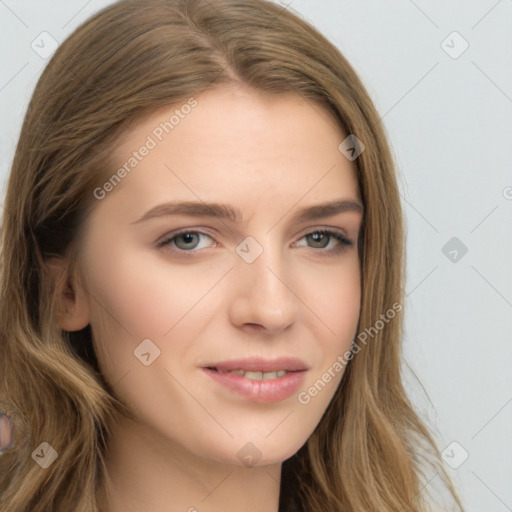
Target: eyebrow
225, 211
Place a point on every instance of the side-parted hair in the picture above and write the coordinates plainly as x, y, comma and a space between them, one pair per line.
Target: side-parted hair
370, 451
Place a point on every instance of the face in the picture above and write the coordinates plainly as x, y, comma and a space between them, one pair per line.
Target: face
196, 313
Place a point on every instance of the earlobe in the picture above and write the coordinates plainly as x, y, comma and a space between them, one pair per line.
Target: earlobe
72, 303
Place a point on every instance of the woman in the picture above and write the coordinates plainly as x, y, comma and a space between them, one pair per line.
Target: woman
257, 368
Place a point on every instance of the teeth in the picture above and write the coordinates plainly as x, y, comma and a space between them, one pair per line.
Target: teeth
253, 375
259, 375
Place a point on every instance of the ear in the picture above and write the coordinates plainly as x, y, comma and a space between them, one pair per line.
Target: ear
73, 306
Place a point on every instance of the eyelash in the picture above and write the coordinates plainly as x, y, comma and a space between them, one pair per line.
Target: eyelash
341, 247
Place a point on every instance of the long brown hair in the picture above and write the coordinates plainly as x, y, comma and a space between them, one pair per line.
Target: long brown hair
370, 449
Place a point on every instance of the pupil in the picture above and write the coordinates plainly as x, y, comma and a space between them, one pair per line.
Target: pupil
187, 238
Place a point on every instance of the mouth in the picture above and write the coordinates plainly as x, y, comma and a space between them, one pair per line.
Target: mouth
259, 380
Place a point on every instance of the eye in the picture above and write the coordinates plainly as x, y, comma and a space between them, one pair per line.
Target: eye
189, 241
322, 238
184, 241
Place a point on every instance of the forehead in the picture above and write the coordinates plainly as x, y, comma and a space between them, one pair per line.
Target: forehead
231, 139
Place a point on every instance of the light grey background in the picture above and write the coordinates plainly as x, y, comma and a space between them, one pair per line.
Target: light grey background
449, 119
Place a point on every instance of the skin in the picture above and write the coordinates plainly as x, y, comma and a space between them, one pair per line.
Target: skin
6, 433
269, 156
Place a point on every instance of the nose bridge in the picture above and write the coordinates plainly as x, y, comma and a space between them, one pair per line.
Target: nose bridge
265, 288
262, 258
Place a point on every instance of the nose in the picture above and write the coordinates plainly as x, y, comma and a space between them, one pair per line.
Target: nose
263, 294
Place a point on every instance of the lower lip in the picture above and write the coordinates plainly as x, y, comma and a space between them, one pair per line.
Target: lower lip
267, 391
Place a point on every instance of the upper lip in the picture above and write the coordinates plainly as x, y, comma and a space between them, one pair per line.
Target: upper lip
258, 364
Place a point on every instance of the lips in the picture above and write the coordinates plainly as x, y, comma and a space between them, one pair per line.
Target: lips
257, 379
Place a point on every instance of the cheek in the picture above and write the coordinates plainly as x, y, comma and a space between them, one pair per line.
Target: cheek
136, 295
145, 299
334, 295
